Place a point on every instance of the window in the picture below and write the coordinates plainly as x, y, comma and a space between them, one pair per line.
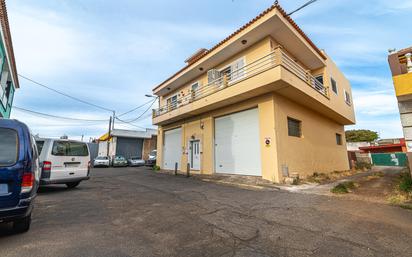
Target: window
347, 98
172, 102
294, 127
40, 144
194, 89
338, 139
66, 148
319, 78
334, 86
8, 147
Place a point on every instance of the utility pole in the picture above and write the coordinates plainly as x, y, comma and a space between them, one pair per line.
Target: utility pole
114, 117
108, 135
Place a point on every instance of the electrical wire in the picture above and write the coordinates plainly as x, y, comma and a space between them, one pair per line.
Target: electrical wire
130, 124
56, 116
65, 94
303, 6
134, 109
150, 106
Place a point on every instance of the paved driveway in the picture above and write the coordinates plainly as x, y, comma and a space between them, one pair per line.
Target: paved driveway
134, 212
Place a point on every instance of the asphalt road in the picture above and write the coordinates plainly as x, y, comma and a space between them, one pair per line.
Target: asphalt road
135, 212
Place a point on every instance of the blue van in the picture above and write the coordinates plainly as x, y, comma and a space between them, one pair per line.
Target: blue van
19, 174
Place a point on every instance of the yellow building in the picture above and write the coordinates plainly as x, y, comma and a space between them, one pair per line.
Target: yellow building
400, 63
265, 102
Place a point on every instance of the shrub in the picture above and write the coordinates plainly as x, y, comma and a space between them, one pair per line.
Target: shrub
363, 166
156, 168
405, 184
344, 187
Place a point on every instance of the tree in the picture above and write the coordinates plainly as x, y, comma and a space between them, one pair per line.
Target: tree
361, 135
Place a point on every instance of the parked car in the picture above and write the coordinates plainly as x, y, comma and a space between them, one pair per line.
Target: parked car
19, 174
151, 161
101, 161
63, 161
135, 161
119, 161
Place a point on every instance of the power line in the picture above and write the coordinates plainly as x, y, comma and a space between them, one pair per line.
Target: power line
134, 109
65, 94
150, 106
303, 6
130, 124
55, 116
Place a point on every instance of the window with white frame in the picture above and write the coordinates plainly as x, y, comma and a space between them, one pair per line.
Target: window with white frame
194, 89
234, 71
172, 102
334, 85
348, 99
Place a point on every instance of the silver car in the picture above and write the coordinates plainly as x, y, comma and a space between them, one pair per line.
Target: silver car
101, 161
135, 161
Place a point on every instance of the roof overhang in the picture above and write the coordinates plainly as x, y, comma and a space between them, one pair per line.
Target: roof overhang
273, 24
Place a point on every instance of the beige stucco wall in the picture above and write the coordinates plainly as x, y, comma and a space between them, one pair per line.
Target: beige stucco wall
316, 150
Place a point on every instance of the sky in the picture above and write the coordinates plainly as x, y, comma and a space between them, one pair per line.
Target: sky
112, 53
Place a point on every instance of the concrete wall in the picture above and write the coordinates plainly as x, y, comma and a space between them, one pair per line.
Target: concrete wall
315, 151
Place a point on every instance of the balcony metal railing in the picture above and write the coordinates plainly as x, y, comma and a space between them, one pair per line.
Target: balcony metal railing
275, 58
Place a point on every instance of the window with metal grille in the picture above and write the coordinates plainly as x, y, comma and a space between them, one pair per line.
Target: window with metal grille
338, 139
334, 86
294, 127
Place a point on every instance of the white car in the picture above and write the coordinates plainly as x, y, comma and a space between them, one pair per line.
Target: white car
63, 161
101, 161
135, 161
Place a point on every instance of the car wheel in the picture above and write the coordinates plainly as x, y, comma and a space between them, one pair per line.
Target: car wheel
72, 184
22, 225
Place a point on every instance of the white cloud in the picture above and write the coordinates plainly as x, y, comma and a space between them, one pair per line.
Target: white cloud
375, 103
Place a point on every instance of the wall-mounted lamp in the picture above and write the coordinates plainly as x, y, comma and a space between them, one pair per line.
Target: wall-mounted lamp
244, 42
202, 125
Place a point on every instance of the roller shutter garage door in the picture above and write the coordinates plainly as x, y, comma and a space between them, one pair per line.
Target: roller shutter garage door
129, 147
237, 147
172, 149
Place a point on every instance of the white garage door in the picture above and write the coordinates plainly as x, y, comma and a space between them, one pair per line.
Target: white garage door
237, 148
172, 148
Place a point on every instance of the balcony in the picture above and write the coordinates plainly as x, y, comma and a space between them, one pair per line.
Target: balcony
257, 73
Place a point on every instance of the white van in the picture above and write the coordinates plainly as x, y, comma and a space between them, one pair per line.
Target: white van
63, 161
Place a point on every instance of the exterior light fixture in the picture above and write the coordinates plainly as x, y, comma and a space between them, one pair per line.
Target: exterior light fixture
244, 42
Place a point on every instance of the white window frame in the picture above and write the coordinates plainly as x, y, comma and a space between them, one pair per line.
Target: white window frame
347, 95
230, 65
195, 94
331, 85
172, 106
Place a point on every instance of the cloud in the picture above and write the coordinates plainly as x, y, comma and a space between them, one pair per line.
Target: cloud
375, 103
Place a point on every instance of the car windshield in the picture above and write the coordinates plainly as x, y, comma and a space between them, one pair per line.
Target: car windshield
153, 153
120, 158
40, 144
102, 158
8, 147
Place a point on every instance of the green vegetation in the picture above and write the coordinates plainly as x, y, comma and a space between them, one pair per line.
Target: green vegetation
405, 184
402, 194
344, 187
361, 135
156, 168
363, 166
